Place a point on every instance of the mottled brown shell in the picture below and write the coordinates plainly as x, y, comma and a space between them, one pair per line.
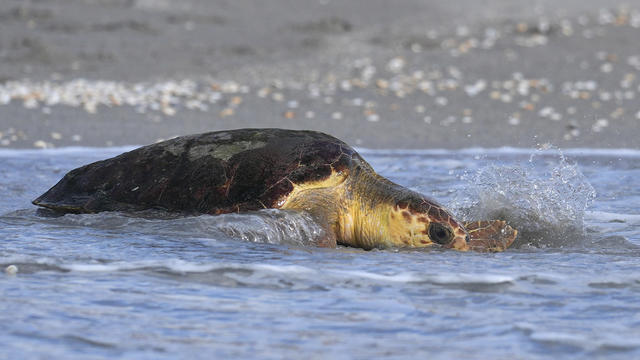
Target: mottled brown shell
212, 173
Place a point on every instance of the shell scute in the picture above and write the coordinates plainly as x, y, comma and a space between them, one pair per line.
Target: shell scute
228, 171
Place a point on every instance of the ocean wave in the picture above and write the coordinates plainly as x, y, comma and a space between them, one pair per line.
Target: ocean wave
508, 150
182, 267
176, 266
586, 341
604, 216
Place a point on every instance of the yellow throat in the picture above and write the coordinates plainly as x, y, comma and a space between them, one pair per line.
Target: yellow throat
359, 208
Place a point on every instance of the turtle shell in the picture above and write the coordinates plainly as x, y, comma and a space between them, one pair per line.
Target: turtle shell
213, 173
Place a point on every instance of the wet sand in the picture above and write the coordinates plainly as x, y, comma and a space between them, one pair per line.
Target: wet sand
407, 74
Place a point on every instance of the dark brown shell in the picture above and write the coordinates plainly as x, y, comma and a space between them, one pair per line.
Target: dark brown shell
213, 173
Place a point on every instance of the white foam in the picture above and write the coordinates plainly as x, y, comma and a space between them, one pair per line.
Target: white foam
589, 342
450, 279
558, 337
461, 279
181, 266
399, 278
111, 267
286, 269
174, 265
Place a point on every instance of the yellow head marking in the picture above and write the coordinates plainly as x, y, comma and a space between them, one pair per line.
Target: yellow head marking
408, 229
419, 229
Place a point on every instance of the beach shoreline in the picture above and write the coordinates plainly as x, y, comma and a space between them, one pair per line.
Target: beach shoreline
413, 75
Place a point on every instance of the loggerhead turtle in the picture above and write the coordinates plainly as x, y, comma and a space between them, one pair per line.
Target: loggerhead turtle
252, 169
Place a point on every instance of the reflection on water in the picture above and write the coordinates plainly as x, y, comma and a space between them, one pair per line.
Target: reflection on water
150, 285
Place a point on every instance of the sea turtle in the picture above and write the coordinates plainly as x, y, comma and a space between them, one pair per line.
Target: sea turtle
252, 169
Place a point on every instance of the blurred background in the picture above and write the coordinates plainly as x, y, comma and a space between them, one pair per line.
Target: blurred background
377, 74
560, 75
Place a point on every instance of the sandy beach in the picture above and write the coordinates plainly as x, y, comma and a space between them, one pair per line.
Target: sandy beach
377, 74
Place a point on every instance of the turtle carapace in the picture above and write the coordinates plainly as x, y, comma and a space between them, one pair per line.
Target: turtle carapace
252, 169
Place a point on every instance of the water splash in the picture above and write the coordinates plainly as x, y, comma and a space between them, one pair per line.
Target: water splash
270, 226
544, 198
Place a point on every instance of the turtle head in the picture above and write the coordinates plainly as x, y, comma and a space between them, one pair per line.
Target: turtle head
423, 222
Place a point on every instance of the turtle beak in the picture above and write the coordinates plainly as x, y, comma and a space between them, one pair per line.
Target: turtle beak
460, 243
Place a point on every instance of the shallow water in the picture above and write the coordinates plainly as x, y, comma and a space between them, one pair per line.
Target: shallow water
113, 285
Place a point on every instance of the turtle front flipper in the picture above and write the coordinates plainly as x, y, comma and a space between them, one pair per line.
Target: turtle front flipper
323, 206
490, 235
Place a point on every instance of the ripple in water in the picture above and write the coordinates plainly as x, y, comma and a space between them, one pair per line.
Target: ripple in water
116, 285
544, 198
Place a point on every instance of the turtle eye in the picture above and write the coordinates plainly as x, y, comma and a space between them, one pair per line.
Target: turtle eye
440, 234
